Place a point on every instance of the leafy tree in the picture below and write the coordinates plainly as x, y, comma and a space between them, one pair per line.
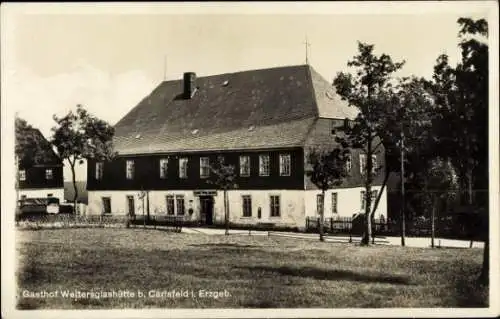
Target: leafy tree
223, 177
462, 94
368, 89
30, 147
328, 168
78, 136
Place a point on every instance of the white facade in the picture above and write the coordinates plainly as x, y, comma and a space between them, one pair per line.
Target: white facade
42, 193
295, 205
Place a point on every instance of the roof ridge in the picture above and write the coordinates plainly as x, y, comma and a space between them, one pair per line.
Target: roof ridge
243, 71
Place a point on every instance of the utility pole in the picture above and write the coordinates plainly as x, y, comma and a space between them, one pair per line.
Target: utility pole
403, 219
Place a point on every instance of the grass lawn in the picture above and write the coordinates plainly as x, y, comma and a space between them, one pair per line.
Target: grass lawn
253, 271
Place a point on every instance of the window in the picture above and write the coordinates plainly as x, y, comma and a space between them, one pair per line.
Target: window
319, 203
244, 165
348, 163
275, 206
362, 163
180, 204
130, 169
106, 205
332, 127
48, 173
334, 203
183, 167
247, 206
99, 170
285, 164
170, 205
264, 165
204, 167
363, 198
131, 205
163, 168
22, 175
50, 195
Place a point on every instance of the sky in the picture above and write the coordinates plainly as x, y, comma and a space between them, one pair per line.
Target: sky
108, 59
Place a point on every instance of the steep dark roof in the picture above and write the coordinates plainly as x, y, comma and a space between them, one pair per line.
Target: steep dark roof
47, 157
250, 109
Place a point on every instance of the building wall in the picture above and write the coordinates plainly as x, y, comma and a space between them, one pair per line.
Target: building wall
295, 204
291, 202
348, 202
147, 172
35, 178
321, 137
42, 193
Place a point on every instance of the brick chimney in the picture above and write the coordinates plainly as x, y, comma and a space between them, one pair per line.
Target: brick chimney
189, 84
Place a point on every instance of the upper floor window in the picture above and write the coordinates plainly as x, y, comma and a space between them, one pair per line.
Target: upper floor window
244, 165
204, 167
130, 169
285, 164
264, 165
22, 175
363, 163
183, 162
99, 170
374, 164
348, 163
48, 173
163, 167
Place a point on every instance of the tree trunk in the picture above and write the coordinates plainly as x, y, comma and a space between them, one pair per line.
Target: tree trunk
469, 187
368, 194
147, 206
403, 215
433, 220
377, 200
322, 216
75, 197
484, 277
226, 213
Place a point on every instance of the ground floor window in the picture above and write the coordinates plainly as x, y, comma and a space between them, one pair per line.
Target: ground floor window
363, 198
170, 205
106, 205
319, 203
131, 205
247, 206
180, 204
275, 206
334, 203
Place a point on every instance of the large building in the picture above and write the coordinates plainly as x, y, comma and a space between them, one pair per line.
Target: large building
261, 121
43, 177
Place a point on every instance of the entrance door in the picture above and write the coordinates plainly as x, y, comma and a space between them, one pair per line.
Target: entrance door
207, 209
131, 206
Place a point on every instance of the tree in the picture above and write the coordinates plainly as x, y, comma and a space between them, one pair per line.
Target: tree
30, 147
367, 90
78, 136
223, 177
462, 94
328, 168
